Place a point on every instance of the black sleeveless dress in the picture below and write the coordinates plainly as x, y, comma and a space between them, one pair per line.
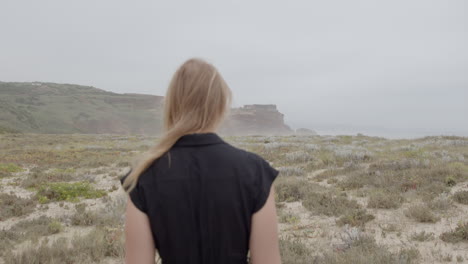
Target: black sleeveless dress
200, 205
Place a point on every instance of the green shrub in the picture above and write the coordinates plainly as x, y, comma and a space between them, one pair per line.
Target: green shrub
64, 191
6, 169
10, 167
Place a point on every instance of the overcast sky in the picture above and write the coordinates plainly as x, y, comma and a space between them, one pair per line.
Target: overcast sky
392, 68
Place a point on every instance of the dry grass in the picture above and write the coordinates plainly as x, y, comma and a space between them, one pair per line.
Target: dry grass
294, 251
288, 217
110, 215
364, 249
13, 205
29, 230
461, 197
329, 204
91, 248
358, 217
290, 189
440, 204
37, 177
459, 234
384, 200
422, 214
422, 236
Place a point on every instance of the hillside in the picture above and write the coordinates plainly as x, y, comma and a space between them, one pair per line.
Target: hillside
67, 108
36, 107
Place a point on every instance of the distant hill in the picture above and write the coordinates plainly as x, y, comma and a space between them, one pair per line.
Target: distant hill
67, 108
38, 107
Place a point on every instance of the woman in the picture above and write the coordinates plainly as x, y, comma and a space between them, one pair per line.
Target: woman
193, 197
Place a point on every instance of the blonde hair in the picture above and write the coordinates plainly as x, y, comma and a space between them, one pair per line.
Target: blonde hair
196, 101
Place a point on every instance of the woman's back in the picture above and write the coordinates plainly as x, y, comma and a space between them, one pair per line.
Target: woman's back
194, 197
200, 198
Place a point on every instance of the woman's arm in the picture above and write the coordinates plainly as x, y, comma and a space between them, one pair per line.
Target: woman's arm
139, 243
264, 245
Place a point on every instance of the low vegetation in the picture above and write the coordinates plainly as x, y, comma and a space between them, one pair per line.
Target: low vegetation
364, 249
13, 205
329, 204
291, 189
109, 216
91, 248
64, 191
6, 169
461, 197
440, 204
459, 234
294, 251
340, 199
384, 200
421, 213
29, 230
422, 236
358, 217
37, 177
288, 217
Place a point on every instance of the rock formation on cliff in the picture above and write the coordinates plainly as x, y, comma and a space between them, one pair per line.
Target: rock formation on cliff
255, 119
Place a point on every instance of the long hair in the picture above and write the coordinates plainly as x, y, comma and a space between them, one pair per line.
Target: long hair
196, 101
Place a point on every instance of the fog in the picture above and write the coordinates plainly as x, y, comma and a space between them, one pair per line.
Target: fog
387, 68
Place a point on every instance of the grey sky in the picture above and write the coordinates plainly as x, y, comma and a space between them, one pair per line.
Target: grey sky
392, 68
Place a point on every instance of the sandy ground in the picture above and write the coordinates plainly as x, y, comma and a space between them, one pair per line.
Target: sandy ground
321, 232
317, 232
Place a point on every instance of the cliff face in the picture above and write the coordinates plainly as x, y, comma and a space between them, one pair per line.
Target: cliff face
255, 120
67, 108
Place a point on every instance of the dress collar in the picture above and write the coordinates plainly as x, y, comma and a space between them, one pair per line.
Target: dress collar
198, 139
